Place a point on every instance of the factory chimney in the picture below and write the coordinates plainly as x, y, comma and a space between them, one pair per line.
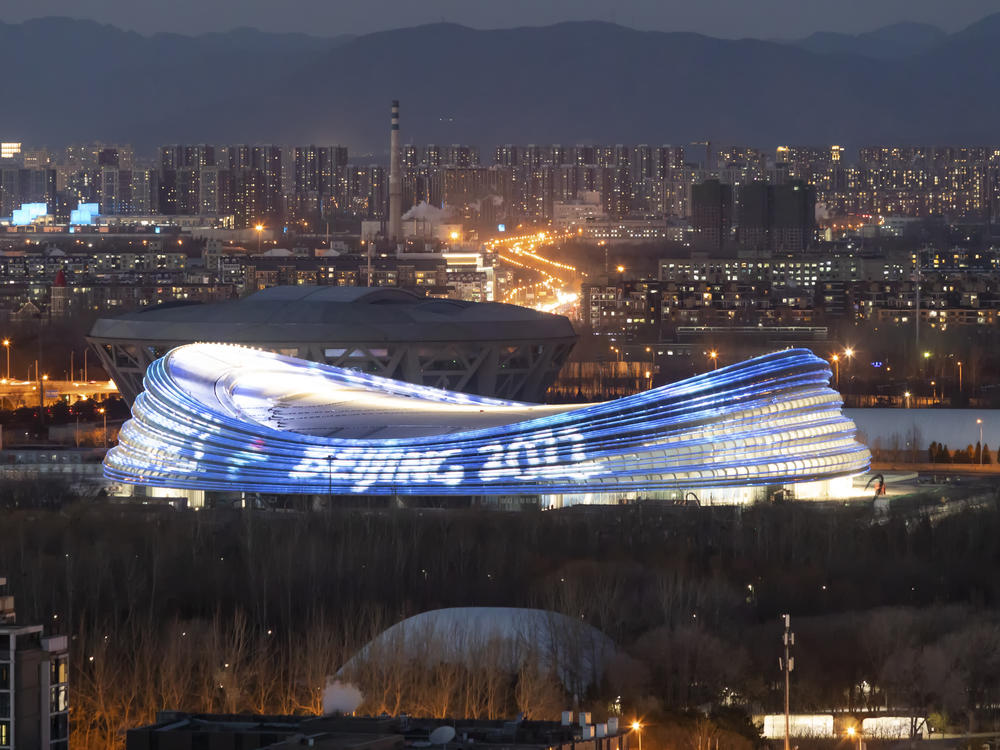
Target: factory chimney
395, 180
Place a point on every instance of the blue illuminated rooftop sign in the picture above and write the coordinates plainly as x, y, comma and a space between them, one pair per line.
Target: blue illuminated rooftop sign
84, 213
28, 213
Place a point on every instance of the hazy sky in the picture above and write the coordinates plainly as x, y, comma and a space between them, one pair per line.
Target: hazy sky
727, 18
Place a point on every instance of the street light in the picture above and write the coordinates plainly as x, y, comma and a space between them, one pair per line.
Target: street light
980, 423
959, 377
714, 356
260, 233
6, 345
852, 733
637, 728
836, 367
104, 411
907, 397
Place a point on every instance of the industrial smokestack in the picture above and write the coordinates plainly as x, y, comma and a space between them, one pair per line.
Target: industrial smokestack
395, 180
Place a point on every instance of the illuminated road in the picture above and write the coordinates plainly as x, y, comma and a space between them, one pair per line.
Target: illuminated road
535, 280
17, 393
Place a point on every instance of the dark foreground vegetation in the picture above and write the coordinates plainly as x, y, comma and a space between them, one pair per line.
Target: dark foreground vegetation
227, 610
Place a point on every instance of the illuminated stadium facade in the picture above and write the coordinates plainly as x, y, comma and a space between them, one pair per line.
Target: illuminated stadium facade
489, 349
229, 418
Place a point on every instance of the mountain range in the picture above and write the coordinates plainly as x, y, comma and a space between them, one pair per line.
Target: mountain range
76, 81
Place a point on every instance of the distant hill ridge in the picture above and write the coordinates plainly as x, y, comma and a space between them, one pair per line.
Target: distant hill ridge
566, 83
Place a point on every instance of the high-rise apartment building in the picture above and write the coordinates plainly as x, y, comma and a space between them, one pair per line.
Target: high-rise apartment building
779, 218
34, 684
19, 185
711, 213
319, 179
794, 216
753, 216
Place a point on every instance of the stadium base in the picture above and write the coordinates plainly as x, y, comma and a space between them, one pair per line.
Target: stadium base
838, 488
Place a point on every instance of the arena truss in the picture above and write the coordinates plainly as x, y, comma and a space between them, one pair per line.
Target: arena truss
230, 418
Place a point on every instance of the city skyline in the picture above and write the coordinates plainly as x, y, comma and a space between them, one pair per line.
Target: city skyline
730, 19
318, 317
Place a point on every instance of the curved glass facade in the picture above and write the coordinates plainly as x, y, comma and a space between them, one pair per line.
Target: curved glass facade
224, 417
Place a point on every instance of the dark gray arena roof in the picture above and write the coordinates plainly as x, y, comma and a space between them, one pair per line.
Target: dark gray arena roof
328, 313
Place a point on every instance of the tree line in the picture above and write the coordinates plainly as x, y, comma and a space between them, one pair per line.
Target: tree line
222, 610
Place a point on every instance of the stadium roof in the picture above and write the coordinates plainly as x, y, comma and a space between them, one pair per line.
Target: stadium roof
332, 313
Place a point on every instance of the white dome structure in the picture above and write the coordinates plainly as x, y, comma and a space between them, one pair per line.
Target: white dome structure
570, 648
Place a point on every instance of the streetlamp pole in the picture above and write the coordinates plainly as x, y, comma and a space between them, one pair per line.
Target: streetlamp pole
959, 377
637, 728
787, 665
980, 423
836, 367
6, 345
852, 733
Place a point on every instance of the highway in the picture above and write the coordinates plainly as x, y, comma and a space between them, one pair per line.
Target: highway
18, 393
536, 280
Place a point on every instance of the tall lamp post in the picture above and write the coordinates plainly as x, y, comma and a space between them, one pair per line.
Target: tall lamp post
980, 423
6, 345
714, 356
787, 665
836, 369
959, 376
104, 412
260, 233
852, 733
637, 728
